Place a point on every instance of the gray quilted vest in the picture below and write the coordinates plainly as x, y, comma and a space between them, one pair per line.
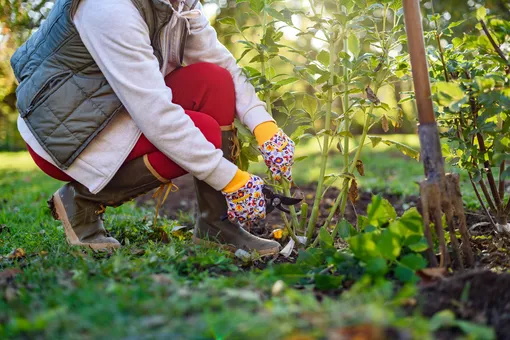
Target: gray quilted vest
62, 95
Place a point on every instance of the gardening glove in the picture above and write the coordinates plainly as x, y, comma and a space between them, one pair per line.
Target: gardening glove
245, 200
277, 149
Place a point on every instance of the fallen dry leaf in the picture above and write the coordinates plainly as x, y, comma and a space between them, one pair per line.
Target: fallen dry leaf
429, 275
18, 253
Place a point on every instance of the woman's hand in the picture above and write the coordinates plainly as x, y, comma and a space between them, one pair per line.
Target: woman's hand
247, 204
278, 153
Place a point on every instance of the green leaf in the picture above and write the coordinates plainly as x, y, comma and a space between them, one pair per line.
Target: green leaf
310, 104
396, 5
405, 149
419, 246
325, 238
380, 211
353, 45
290, 273
412, 221
476, 331
257, 5
405, 274
345, 229
389, 245
327, 282
377, 266
323, 58
481, 13
229, 21
375, 140
310, 258
444, 318
450, 95
287, 81
414, 261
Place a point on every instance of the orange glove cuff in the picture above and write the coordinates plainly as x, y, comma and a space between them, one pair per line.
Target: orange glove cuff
239, 180
264, 131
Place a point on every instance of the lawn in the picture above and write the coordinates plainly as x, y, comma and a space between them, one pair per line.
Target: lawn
154, 287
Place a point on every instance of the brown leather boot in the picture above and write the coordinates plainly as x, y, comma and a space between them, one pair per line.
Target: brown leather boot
211, 231
81, 212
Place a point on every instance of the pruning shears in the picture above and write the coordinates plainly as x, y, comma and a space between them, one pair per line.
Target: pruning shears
274, 201
278, 201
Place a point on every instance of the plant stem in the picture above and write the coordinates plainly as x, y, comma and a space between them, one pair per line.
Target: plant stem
346, 137
263, 70
357, 155
480, 200
325, 146
345, 184
487, 195
287, 226
304, 215
292, 209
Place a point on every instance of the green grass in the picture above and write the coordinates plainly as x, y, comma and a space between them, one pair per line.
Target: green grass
177, 290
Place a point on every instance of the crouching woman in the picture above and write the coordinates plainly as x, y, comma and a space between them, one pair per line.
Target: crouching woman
106, 106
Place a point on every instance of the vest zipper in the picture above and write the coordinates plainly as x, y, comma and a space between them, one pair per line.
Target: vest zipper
39, 97
157, 43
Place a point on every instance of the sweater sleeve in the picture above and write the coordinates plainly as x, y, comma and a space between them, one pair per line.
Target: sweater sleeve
117, 37
203, 46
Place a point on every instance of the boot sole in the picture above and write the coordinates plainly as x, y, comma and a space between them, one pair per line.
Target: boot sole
60, 214
211, 244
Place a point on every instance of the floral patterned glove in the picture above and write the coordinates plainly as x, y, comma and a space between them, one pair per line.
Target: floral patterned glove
278, 153
247, 204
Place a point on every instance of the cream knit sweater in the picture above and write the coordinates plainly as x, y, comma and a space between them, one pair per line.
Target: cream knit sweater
118, 39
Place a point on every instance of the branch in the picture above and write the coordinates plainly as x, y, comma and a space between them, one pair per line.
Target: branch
486, 163
481, 201
487, 195
493, 43
502, 182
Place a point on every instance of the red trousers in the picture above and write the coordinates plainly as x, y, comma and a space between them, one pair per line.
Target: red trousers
205, 91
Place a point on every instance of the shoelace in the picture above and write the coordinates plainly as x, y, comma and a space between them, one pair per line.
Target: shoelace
180, 14
161, 195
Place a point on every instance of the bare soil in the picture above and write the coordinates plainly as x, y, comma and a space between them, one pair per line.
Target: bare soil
480, 294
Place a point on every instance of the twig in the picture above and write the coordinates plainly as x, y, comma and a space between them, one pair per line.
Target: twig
487, 213
493, 43
501, 181
481, 224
